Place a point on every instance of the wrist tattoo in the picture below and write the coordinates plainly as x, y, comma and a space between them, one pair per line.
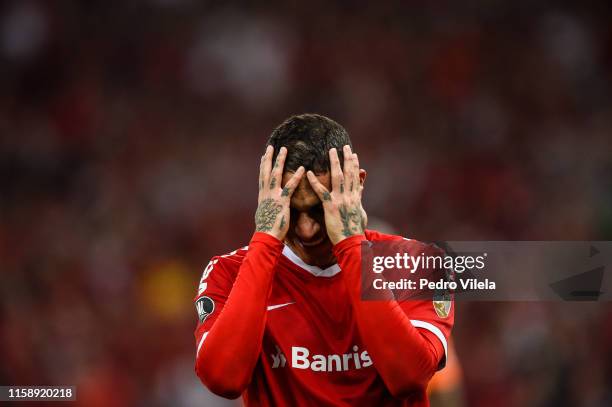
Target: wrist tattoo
352, 222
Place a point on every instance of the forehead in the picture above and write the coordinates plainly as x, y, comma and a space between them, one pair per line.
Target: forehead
304, 196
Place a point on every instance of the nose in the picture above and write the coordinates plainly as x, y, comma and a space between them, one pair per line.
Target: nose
306, 228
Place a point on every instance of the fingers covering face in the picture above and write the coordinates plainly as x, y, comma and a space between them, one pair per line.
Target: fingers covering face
351, 169
277, 170
270, 176
293, 182
356, 174
346, 150
341, 181
265, 166
319, 188
337, 178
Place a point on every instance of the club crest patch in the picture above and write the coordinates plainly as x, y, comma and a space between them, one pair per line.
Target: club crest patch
204, 307
442, 305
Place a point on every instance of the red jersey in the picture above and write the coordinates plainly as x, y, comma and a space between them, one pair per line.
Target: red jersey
312, 351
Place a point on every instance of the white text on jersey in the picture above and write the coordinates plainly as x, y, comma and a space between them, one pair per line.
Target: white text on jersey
301, 359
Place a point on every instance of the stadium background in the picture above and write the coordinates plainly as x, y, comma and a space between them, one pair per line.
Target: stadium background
130, 136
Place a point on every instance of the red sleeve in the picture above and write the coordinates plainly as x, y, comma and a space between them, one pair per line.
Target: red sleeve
229, 337
405, 353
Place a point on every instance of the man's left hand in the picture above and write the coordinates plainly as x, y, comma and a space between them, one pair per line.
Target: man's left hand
344, 214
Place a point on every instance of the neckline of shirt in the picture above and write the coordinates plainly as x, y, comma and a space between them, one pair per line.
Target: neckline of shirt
314, 270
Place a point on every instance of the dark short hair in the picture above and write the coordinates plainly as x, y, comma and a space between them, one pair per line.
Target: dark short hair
308, 139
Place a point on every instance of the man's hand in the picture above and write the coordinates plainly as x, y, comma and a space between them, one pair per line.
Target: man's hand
272, 215
344, 215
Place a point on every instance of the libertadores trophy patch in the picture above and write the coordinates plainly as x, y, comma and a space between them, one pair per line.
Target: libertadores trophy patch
204, 307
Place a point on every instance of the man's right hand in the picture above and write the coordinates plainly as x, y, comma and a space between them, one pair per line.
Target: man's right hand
272, 215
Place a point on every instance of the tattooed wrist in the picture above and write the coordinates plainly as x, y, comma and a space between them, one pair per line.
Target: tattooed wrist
266, 215
352, 222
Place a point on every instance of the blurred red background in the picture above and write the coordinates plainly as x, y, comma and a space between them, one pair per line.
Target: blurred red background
130, 136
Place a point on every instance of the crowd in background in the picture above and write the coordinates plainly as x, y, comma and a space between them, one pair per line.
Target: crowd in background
130, 137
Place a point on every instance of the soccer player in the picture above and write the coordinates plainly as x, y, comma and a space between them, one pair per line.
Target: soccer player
282, 321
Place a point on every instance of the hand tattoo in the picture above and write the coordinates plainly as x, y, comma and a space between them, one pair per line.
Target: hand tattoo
352, 222
266, 214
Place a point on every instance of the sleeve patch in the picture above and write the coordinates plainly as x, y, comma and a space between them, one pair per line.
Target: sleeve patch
442, 303
204, 307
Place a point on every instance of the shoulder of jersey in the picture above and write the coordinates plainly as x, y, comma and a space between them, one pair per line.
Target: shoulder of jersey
229, 261
233, 258
225, 267
409, 244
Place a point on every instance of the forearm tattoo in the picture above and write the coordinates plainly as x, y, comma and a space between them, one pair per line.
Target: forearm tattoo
352, 222
266, 214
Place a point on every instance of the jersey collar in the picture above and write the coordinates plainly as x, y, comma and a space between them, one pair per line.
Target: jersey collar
314, 270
